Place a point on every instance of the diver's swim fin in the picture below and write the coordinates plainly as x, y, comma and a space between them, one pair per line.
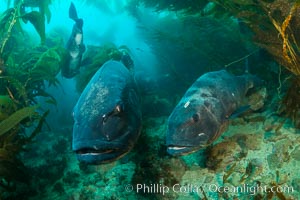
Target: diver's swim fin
72, 12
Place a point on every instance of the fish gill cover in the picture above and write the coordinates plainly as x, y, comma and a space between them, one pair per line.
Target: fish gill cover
171, 45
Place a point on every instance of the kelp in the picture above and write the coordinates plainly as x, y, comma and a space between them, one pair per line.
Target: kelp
48, 65
42, 5
7, 107
25, 71
12, 143
273, 25
37, 19
15, 89
191, 6
276, 28
199, 45
16, 118
290, 104
12, 16
27, 74
8, 20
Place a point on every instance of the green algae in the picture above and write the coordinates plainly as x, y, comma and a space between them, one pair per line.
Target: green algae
16, 118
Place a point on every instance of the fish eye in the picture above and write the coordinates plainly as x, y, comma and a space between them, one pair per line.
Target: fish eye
196, 117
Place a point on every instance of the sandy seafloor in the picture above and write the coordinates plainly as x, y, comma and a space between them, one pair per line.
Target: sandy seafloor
255, 150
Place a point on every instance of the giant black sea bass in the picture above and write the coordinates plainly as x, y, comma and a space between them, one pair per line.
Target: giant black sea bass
107, 116
203, 112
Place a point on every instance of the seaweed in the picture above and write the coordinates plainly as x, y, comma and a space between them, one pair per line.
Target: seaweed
48, 65
20, 84
7, 22
10, 19
42, 5
276, 28
290, 104
37, 19
273, 26
16, 118
24, 73
191, 6
12, 143
7, 107
268, 20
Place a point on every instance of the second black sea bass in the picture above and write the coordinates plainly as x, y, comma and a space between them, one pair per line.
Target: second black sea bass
107, 115
202, 113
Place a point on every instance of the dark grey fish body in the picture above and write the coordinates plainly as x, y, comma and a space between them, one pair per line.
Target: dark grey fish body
75, 46
107, 115
202, 114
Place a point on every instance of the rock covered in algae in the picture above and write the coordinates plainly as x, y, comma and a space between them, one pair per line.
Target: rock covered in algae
222, 155
257, 99
295, 154
250, 141
7, 107
279, 155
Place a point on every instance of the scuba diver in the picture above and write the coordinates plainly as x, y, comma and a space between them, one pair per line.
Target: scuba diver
75, 46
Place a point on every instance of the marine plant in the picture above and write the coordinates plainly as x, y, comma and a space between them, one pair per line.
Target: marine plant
192, 6
290, 105
273, 25
13, 141
24, 73
18, 111
10, 20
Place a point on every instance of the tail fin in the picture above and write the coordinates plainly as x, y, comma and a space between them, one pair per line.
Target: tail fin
73, 15
73, 12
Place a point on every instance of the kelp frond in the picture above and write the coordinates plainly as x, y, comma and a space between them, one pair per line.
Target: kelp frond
7, 23
288, 41
16, 118
290, 105
191, 6
12, 143
12, 16
276, 27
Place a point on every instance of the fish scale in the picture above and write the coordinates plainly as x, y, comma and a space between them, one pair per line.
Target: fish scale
106, 124
202, 114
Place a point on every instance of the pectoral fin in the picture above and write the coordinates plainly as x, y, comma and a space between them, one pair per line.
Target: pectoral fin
241, 110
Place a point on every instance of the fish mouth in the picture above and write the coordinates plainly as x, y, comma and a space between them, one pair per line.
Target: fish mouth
91, 151
99, 156
181, 150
